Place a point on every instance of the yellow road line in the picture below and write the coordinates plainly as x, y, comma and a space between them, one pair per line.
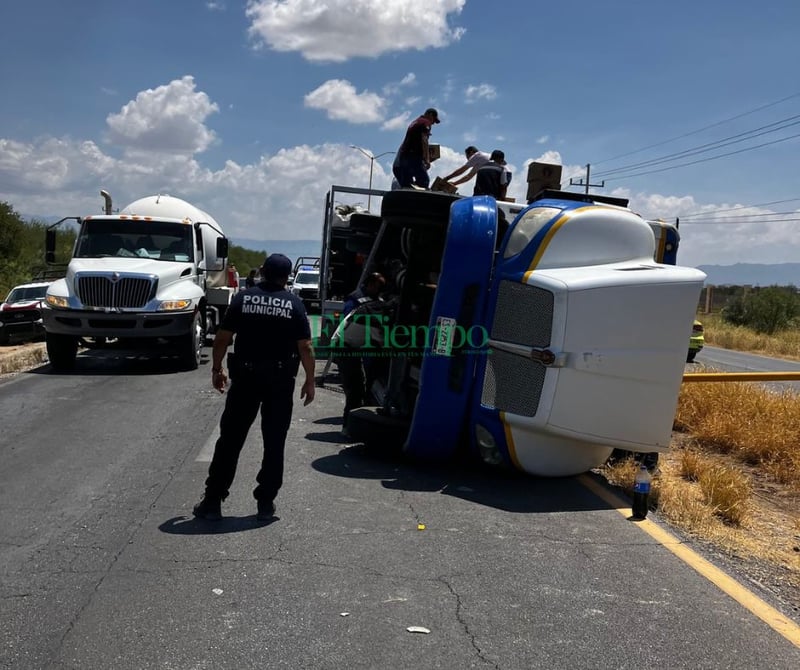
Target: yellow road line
768, 614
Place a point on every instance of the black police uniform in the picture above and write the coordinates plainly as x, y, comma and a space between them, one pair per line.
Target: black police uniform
268, 322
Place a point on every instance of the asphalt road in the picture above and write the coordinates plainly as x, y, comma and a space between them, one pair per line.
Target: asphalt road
104, 567
738, 361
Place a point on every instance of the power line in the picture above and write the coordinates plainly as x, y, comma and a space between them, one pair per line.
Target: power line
710, 146
705, 160
711, 214
704, 222
699, 130
738, 207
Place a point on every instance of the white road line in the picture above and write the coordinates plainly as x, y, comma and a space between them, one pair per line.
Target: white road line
208, 448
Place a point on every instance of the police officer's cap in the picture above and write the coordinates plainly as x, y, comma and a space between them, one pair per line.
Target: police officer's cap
276, 266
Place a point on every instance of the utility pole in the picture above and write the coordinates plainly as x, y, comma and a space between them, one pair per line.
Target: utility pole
587, 183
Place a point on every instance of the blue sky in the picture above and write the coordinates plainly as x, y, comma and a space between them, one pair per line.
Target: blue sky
248, 108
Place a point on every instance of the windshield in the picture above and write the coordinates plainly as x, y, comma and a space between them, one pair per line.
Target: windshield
27, 293
306, 278
160, 240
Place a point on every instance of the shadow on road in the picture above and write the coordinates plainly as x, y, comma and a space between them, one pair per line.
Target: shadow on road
506, 490
181, 525
111, 361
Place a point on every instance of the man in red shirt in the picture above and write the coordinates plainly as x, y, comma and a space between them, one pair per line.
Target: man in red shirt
413, 157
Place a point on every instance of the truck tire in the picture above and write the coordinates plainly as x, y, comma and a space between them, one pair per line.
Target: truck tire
62, 351
409, 206
190, 346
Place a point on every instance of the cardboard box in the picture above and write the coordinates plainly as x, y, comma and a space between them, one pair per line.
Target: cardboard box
434, 151
542, 176
440, 184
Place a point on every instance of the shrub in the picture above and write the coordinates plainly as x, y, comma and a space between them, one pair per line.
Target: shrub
766, 310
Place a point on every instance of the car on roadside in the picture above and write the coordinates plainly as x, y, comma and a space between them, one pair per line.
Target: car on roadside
21, 313
696, 341
305, 285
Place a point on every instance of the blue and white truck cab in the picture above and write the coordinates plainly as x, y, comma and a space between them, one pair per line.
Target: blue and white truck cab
542, 335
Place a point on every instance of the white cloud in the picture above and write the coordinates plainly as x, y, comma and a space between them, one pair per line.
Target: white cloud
337, 30
215, 6
339, 99
543, 139
392, 88
475, 92
166, 119
63, 176
397, 122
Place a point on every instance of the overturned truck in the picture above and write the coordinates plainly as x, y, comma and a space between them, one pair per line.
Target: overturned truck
540, 336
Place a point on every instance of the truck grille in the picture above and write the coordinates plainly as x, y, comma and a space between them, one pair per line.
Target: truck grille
125, 292
512, 383
20, 316
524, 315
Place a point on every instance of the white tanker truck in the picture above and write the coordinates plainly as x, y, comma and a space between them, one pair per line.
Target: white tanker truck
156, 272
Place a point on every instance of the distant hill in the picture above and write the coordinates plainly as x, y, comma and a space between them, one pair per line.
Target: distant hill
752, 274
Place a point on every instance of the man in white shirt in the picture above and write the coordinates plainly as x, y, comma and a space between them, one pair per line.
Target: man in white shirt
475, 160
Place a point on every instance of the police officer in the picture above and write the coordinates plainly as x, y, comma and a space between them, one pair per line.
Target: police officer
273, 338
355, 379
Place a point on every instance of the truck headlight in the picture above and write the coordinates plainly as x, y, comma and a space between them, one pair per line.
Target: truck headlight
174, 305
487, 447
56, 301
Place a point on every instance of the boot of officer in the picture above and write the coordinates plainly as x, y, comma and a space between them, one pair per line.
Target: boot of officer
273, 339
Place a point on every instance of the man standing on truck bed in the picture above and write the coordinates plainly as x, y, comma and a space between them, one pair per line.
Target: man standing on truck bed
413, 156
272, 338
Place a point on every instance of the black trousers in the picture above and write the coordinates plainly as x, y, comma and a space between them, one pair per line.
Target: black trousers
351, 372
249, 392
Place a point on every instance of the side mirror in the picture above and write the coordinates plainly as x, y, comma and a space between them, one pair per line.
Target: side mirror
222, 247
50, 246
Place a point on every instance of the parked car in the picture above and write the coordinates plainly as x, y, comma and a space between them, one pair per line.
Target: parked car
696, 341
305, 285
21, 313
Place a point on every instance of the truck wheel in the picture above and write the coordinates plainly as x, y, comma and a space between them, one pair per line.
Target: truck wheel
62, 351
190, 348
412, 206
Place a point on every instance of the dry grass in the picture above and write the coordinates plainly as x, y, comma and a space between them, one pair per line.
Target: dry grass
13, 359
755, 425
720, 334
732, 476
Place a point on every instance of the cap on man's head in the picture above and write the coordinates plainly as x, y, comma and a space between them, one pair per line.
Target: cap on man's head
498, 157
276, 266
470, 150
432, 113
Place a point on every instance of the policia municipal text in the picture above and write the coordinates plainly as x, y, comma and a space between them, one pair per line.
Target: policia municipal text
272, 339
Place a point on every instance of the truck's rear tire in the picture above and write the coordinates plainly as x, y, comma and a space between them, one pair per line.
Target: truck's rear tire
190, 346
62, 351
